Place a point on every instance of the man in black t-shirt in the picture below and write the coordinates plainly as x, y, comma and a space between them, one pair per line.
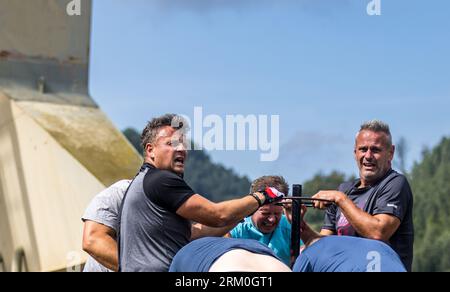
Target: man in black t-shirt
159, 206
376, 206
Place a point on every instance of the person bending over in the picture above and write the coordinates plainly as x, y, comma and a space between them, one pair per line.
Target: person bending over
215, 254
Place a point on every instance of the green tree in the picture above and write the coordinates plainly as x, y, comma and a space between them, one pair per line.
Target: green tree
135, 138
214, 180
431, 189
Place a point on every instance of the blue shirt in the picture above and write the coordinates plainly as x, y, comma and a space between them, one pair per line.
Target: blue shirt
348, 254
279, 240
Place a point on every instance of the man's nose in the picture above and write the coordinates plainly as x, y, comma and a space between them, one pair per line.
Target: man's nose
368, 154
180, 147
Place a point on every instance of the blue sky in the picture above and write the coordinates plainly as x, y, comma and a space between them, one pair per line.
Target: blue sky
324, 66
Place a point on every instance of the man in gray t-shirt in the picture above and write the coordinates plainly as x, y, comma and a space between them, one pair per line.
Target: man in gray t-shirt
158, 209
100, 228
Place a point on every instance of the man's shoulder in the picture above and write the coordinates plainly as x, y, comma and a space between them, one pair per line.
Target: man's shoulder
158, 181
346, 186
161, 175
104, 207
113, 192
121, 185
394, 178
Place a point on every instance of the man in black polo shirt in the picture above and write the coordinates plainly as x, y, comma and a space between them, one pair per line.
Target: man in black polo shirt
159, 206
376, 206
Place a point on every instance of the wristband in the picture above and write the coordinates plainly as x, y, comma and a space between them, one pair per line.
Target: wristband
260, 203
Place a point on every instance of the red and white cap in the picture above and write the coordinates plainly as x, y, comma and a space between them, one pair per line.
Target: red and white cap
274, 193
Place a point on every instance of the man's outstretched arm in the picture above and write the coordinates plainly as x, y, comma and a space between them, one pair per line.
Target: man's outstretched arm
224, 214
216, 219
199, 230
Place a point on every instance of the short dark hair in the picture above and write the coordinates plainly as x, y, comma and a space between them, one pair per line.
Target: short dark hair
273, 181
150, 132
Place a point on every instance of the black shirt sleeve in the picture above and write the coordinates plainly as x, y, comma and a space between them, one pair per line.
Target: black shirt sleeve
394, 199
167, 189
330, 218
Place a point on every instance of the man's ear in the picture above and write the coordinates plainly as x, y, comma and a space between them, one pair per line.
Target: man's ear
392, 152
149, 151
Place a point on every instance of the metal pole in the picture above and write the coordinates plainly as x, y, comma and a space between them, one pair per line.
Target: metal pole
296, 222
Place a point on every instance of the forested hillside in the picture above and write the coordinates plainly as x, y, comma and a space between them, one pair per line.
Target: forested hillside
430, 181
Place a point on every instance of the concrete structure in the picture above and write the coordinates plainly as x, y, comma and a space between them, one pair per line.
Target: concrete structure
57, 148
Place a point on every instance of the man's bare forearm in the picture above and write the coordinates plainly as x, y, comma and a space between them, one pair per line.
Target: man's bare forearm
366, 225
308, 235
235, 210
105, 251
200, 230
218, 215
370, 226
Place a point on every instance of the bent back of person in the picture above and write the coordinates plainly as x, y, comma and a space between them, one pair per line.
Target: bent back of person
348, 254
241, 260
215, 254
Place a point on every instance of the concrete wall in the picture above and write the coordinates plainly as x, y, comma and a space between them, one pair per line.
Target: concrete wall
16, 226
41, 44
45, 30
57, 148
48, 178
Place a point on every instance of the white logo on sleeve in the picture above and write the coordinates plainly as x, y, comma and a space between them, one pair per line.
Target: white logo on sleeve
392, 205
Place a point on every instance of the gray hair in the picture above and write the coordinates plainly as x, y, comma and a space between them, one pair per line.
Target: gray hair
377, 126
